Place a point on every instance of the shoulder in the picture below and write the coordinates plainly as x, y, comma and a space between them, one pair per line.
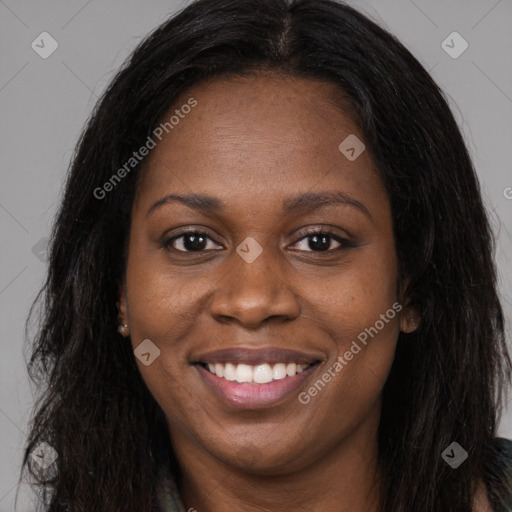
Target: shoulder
481, 500
168, 495
498, 486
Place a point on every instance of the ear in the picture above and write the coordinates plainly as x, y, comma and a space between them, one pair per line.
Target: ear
122, 308
409, 315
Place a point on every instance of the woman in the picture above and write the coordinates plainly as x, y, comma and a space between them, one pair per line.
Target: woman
271, 282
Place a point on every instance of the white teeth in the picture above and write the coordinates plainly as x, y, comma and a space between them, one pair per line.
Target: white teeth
279, 371
219, 369
244, 373
229, 372
257, 374
262, 374
291, 369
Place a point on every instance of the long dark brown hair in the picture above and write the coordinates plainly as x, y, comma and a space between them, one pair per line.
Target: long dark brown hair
448, 379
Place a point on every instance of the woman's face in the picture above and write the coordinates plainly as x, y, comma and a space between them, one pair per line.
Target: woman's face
258, 168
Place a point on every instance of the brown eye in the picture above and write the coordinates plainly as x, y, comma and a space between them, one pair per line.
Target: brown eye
321, 241
190, 241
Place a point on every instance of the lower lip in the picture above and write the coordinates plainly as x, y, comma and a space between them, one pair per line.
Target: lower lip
254, 396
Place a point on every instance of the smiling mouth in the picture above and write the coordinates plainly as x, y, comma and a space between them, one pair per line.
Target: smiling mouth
256, 374
248, 378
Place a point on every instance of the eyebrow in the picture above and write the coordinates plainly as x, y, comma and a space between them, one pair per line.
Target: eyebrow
308, 201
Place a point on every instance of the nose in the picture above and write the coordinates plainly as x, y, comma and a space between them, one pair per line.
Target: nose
253, 293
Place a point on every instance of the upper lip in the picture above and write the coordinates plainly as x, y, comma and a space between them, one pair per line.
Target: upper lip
271, 355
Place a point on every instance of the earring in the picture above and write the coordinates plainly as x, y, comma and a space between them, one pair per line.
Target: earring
123, 330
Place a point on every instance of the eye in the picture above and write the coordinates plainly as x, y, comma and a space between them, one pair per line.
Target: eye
190, 241
320, 240
315, 240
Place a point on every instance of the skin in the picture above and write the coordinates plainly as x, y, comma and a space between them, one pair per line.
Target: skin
252, 143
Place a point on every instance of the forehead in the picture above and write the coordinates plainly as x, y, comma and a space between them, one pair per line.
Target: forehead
262, 135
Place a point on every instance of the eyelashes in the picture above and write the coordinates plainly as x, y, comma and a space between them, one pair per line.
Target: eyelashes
196, 241
199, 238
324, 234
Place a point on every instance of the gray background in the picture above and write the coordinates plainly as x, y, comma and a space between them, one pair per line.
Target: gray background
45, 103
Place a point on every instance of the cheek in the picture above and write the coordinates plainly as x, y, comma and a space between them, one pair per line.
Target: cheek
164, 310
357, 311
161, 304
363, 332
354, 296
